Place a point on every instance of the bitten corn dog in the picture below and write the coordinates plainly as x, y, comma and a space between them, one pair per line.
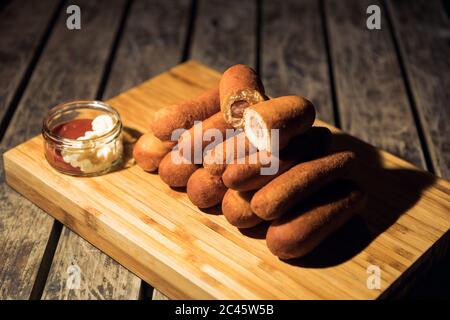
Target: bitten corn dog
236, 209
240, 87
216, 159
245, 176
216, 121
296, 184
291, 115
174, 170
299, 232
149, 151
205, 190
183, 115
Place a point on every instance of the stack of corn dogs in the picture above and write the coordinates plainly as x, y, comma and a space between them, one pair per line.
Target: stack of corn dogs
306, 198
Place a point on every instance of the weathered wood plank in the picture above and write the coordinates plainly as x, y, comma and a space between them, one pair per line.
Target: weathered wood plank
293, 53
225, 33
70, 67
371, 94
22, 26
157, 295
422, 31
152, 41
100, 277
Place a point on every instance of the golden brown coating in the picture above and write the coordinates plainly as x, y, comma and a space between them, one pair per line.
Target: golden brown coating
175, 170
289, 115
184, 114
299, 182
149, 151
215, 160
299, 232
246, 175
240, 87
236, 209
205, 190
195, 134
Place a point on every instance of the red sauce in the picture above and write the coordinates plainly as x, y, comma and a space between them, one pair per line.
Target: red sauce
72, 129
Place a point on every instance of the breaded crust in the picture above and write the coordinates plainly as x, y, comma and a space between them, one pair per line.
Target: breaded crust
246, 175
299, 182
236, 209
149, 151
240, 87
299, 232
184, 114
205, 190
217, 159
289, 115
216, 121
173, 171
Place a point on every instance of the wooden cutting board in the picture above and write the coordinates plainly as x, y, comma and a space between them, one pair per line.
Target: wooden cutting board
155, 231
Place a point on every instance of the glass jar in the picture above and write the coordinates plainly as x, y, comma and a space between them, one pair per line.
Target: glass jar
83, 138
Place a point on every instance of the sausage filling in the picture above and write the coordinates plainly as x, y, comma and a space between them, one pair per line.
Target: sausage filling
238, 107
237, 103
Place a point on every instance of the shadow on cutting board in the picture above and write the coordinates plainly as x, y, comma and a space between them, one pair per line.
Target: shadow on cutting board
391, 192
129, 138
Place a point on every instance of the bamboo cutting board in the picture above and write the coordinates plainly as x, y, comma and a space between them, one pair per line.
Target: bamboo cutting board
155, 231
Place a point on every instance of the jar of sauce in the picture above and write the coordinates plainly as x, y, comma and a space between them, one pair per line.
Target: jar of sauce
83, 138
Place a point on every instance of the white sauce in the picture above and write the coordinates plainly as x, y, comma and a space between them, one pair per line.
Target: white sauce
96, 158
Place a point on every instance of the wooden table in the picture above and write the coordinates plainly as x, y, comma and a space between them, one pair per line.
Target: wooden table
388, 87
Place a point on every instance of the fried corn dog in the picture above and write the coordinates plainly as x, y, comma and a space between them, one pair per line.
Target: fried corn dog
149, 151
175, 170
215, 160
236, 209
216, 121
299, 232
245, 175
296, 184
289, 116
183, 115
240, 87
205, 190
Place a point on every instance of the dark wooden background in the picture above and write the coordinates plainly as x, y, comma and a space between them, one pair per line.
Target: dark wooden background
389, 87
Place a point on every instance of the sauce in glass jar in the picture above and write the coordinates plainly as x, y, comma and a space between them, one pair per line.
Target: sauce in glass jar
83, 138
73, 129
